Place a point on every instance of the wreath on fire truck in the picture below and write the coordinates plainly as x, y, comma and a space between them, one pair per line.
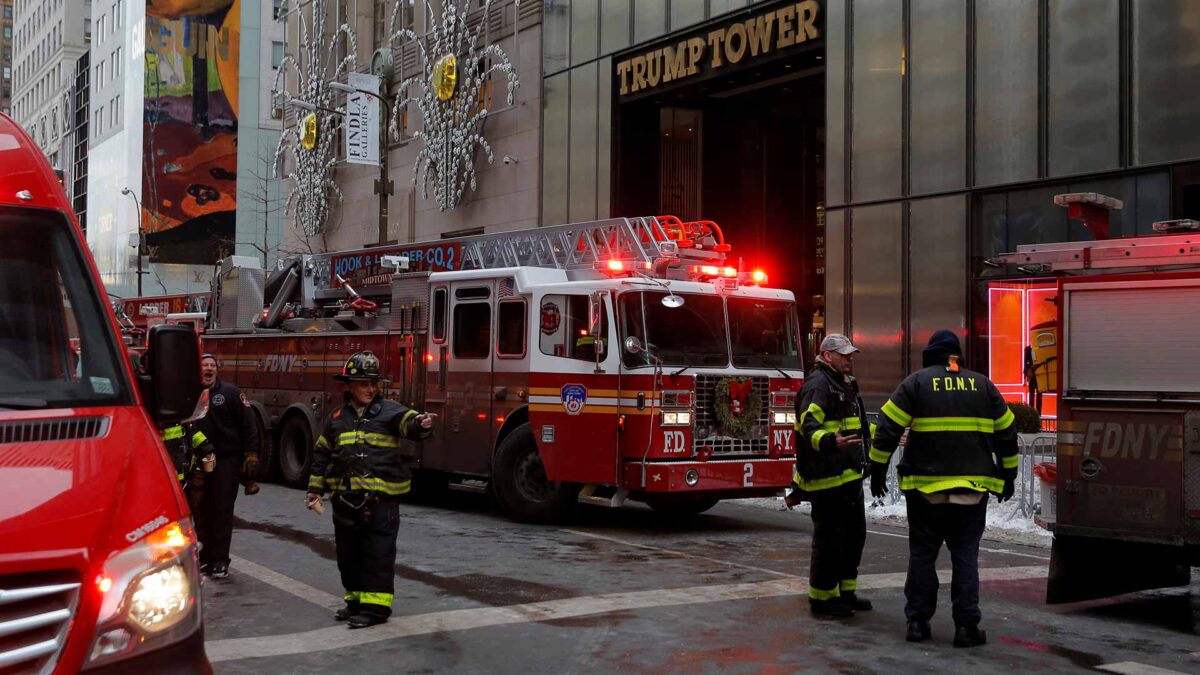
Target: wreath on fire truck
735, 406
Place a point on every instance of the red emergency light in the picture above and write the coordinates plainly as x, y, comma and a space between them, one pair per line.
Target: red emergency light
714, 271
759, 276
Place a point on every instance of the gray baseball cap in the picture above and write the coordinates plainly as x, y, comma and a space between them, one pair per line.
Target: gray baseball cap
836, 342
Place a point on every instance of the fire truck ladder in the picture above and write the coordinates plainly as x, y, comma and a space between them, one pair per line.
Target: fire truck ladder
1130, 252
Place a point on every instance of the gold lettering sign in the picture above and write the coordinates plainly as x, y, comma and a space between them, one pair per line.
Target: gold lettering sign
751, 38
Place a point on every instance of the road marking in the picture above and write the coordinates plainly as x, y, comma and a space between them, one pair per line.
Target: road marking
285, 583
338, 637
1135, 668
683, 554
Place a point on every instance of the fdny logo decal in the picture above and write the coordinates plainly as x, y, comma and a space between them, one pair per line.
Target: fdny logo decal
551, 318
219, 399
574, 396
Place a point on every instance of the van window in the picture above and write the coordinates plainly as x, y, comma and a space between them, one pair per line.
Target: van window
472, 330
56, 349
563, 327
510, 329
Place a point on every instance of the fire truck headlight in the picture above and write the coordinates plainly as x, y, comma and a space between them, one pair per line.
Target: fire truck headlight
692, 477
670, 418
685, 418
791, 418
780, 417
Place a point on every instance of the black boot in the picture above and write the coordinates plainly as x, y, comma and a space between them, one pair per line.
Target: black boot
834, 608
859, 604
362, 620
969, 636
918, 631
346, 612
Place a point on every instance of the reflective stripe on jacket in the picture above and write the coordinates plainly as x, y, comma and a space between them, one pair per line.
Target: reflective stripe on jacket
364, 453
828, 403
961, 433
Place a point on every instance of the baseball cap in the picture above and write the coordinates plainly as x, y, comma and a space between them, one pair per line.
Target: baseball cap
836, 342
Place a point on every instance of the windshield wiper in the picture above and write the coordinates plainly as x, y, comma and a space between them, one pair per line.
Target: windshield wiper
781, 372
22, 403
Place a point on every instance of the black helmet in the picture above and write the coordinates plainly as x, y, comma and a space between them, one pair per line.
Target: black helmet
361, 366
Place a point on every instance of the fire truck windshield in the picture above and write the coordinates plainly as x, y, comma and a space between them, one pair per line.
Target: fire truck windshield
691, 335
763, 333
55, 350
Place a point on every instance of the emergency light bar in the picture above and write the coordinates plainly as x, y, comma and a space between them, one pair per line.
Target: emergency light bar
1181, 225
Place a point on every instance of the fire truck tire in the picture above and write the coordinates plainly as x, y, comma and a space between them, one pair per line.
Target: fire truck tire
267, 461
520, 485
295, 451
680, 507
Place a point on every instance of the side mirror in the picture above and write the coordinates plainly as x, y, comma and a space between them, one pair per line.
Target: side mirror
171, 385
595, 313
633, 345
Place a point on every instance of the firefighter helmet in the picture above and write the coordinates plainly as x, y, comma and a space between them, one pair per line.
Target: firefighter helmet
361, 366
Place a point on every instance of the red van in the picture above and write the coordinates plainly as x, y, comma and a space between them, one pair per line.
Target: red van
98, 569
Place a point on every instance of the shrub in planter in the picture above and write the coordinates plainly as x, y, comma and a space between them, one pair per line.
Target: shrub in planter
1027, 421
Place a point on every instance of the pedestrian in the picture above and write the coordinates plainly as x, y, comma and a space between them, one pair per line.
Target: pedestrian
359, 459
961, 446
230, 426
829, 473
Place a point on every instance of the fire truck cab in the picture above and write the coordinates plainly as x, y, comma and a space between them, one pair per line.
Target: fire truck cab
618, 359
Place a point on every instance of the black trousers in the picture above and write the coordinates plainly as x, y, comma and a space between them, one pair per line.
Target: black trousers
366, 550
214, 518
960, 526
839, 534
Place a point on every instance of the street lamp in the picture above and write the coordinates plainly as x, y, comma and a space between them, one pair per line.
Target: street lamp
129, 193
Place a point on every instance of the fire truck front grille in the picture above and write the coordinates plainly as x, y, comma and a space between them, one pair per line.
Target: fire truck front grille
35, 613
67, 429
708, 429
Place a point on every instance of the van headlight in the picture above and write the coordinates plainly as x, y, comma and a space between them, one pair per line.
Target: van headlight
149, 595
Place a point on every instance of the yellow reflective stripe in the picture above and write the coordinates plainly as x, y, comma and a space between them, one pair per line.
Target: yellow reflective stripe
833, 425
387, 487
316, 482
896, 414
368, 598
1005, 421
351, 596
851, 423
171, 433
943, 483
347, 438
404, 420
818, 594
179, 477
815, 411
880, 456
849, 585
816, 438
199, 439
1009, 462
932, 424
829, 482
384, 440
321, 442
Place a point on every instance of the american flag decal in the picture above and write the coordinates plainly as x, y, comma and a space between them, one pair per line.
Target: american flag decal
508, 288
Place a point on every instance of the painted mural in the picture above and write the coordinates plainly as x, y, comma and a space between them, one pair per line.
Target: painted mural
189, 181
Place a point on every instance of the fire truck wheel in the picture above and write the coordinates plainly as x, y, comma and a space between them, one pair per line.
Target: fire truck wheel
520, 485
295, 451
267, 464
682, 507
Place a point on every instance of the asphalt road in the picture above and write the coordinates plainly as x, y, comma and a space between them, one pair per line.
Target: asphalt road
619, 590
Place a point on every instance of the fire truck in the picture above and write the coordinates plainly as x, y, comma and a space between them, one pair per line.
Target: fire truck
137, 315
1127, 376
605, 361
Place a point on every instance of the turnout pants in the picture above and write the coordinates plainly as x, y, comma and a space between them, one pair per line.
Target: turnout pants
214, 517
365, 529
960, 526
839, 533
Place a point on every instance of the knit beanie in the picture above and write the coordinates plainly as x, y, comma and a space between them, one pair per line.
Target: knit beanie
942, 344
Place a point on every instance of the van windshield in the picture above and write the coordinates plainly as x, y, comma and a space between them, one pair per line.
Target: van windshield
56, 347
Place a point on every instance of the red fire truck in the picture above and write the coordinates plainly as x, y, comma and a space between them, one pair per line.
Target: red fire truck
136, 315
1128, 381
623, 358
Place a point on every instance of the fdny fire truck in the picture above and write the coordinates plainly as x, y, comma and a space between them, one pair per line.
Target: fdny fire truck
609, 360
1128, 380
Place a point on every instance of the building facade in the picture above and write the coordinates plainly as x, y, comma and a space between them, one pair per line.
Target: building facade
6, 56
49, 36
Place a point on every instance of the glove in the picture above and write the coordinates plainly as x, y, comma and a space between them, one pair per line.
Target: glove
250, 466
878, 480
1010, 486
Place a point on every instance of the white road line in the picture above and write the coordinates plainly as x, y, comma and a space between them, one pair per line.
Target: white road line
1135, 668
338, 637
626, 542
285, 583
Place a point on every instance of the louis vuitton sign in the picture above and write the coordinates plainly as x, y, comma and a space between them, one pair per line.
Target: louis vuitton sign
733, 43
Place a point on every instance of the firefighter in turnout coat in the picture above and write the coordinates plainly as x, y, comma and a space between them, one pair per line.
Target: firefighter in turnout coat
358, 459
961, 446
829, 473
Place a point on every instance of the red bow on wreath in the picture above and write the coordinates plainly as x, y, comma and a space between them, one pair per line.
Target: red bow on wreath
739, 394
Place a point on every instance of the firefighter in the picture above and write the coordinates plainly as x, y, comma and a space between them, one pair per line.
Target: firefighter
358, 458
229, 425
961, 446
829, 473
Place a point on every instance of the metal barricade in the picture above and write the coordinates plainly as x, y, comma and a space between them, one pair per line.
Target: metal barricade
1032, 449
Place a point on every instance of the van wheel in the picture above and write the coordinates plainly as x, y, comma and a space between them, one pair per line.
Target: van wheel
520, 485
679, 506
295, 451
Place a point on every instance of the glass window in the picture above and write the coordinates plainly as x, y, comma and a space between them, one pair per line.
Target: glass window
614, 26
693, 334
585, 24
938, 74
555, 147
1166, 56
762, 333
877, 114
277, 9
439, 315
604, 141
685, 13
510, 330
472, 330
876, 303
55, 347
8, 32
563, 321
556, 42
276, 55
937, 263
584, 134
1006, 91
835, 104
835, 272
1084, 81
719, 7
649, 19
